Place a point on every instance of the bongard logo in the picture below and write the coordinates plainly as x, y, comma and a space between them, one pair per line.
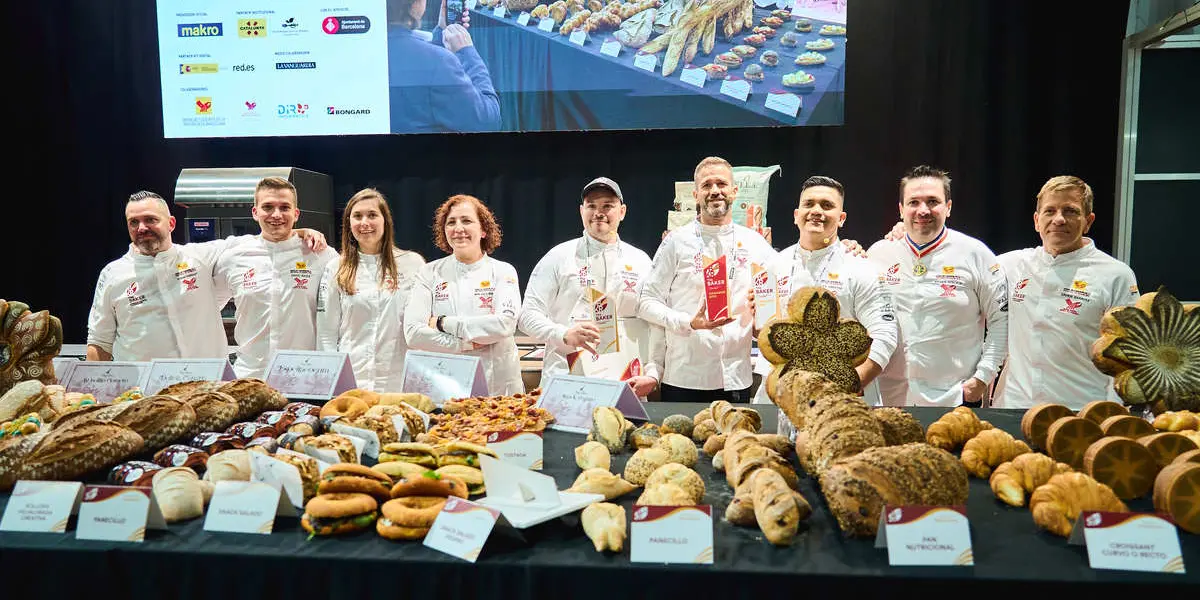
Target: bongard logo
243, 68
331, 110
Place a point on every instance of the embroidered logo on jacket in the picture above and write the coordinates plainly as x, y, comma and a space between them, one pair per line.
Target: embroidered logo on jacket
1072, 307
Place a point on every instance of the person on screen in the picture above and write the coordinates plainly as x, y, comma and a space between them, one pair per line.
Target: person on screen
467, 302
950, 298
361, 301
438, 86
274, 279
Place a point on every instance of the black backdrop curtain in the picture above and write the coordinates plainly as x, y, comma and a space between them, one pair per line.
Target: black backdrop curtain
1004, 94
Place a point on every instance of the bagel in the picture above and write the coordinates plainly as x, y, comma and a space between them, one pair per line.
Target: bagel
332, 514
408, 518
430, 483
347, 405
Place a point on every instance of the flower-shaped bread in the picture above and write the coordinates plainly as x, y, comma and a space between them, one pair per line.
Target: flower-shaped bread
28, 342
814, 338
1152, 351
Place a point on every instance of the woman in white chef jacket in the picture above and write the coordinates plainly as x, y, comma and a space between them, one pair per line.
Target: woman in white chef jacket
467, 303
360, 305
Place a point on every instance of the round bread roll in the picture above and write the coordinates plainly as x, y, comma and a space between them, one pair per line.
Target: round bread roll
680, 424
1123, 465
643, 463
680, 449
681, 476
702, 416
667, 494
1126, 426
228, 465
703, 431
593, 455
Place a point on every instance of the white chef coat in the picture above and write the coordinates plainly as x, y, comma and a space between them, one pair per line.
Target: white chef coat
480, 302
707, 359
274, 287
855, 282
554, 297
162, 306
942, 315
1055, 304
368, 325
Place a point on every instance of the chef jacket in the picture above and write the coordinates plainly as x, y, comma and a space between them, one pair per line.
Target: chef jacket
709, 359
855, 282
480, 302
274, 287
942, 314
555, 297
369, 324
1055, 304
162, 306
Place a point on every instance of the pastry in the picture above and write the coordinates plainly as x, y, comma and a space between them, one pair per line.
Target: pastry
776, 509
1100, 410
333, 514
643, 463
1126, 426
604, 524
540, 11
1123, 465
729, 59
898, 427
1177, 493
814, 337
472, 419
715, 71
764, 31
471, 476
228, 465
799, 79
420, 402
1166, 446
213, 442
744, 51
810, 59
989, 450
592, 455
608, 428
667, 494
1069, 437
346, 405
135, 473
1057, 503
337, 443
754, 72
686, 479
576, 21
803, 25
1012, 481
789, 39
179, 455
301, 409
756, 39
832, 30
179, 494
680, 449
600, 481
251, 431
645, 436
769, 58
954, 428
1177, 421
24, 425
819, 45
771, 21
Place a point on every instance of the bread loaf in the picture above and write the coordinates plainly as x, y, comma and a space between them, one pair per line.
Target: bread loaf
160, 420
898, 427
838, 427
253, 397
76, 450
215, 411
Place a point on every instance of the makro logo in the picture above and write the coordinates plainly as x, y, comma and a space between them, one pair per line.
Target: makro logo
291, 111
189, 30
338, 112
243, 68
204, 105
339, 25
252, 28
291, 66
197, 68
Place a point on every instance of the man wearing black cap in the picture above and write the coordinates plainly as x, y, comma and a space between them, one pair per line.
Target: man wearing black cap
582, 297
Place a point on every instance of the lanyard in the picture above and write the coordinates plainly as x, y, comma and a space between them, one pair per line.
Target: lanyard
923, 250
821, 271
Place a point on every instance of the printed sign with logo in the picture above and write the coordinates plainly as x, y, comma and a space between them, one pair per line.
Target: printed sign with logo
443, 376
716, 288
168, 371
925, 535
605, 317
106, 380
520, 448
63, 367
246, 507
572, 399
41, 506
310, 375
1129, 542
671, 534
766, 296
118, 513
461, 529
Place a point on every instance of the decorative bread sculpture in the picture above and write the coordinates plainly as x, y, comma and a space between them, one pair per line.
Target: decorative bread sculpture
1057, 504
1036, 422
1099, 410
30, 340
1013, 480
954, 428
989, 450
1152, 351
814, 338
1126, 426
1069, 438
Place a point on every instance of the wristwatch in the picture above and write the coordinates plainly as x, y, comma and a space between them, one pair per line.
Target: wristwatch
438, 324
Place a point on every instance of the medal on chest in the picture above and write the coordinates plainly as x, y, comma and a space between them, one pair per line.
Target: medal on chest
921, 251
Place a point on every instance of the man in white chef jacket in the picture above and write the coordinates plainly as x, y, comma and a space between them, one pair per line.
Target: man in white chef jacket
705, 360
950, 299
274, 277
559, 308
819, 259
1058, 293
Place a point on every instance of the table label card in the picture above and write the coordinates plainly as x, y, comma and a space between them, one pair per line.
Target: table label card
520, 448
571, 399
671, 534
168, 371
646, 62
443, 376
716, 288
63, 367
118, 513
244, 507
281, 476
784, 102
695, 77
546, 24
523, 19
370, 439
498, 12
1129, 542
578, 37
736, 88
611, 48
106, 379
41, 506
461, 529
925, 535
310, 375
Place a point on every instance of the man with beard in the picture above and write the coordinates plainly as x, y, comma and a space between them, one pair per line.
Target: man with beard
274, 279
705, 360
559, 300
820, 260
950, 298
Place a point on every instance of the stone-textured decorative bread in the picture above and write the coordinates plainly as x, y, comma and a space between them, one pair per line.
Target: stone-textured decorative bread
814, 338
954, 428
30, 340
1166, 446
1036, 422
253, 397
1126, 426
898, 427
858, 488
1069, 438
989, 450
1150, 351
215, 411
1177, 493
1123, 465
1177, 420
160, 420
1099, 410
1057, 503
1012, 481
73, 451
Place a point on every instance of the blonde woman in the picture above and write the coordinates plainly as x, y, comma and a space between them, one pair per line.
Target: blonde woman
360, 306
467, 303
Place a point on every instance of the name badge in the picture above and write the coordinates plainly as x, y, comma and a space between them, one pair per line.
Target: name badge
671, 534
925, 535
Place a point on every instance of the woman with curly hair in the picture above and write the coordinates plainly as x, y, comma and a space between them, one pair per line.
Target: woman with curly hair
467, 302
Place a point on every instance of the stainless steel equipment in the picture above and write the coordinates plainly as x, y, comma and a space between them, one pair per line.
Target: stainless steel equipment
218, 201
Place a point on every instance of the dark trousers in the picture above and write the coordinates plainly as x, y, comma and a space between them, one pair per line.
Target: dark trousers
670, 393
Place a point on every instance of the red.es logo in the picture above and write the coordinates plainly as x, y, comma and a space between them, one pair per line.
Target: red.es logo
1072, 307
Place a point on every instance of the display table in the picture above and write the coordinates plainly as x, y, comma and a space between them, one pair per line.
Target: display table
559, 561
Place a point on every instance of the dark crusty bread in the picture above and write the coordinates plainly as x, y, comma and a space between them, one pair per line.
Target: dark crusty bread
160, 420
80, 448
215, 411
253, 397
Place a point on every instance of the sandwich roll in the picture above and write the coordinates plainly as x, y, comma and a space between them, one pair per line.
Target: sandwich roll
430, 483
397, 470
471, 476
334, 514
410, 452
351, 478
462, 453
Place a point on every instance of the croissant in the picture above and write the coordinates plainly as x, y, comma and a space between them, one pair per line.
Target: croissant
1182, 420
989, 450
1057, 504
600, 481
954, 429
604, 524
1012, 480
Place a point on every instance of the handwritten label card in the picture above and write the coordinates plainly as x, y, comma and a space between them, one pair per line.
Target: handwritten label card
169, 371
106, 380
310, 375
925, 535
611, 48
461, 529
546, 24
443, 376
118, 513
1129, 542
695, 77
244, 507
646, 62
671, 534
736, 88
520, 448
571, 399
523, 19
41, 506
578, 37
784, 102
